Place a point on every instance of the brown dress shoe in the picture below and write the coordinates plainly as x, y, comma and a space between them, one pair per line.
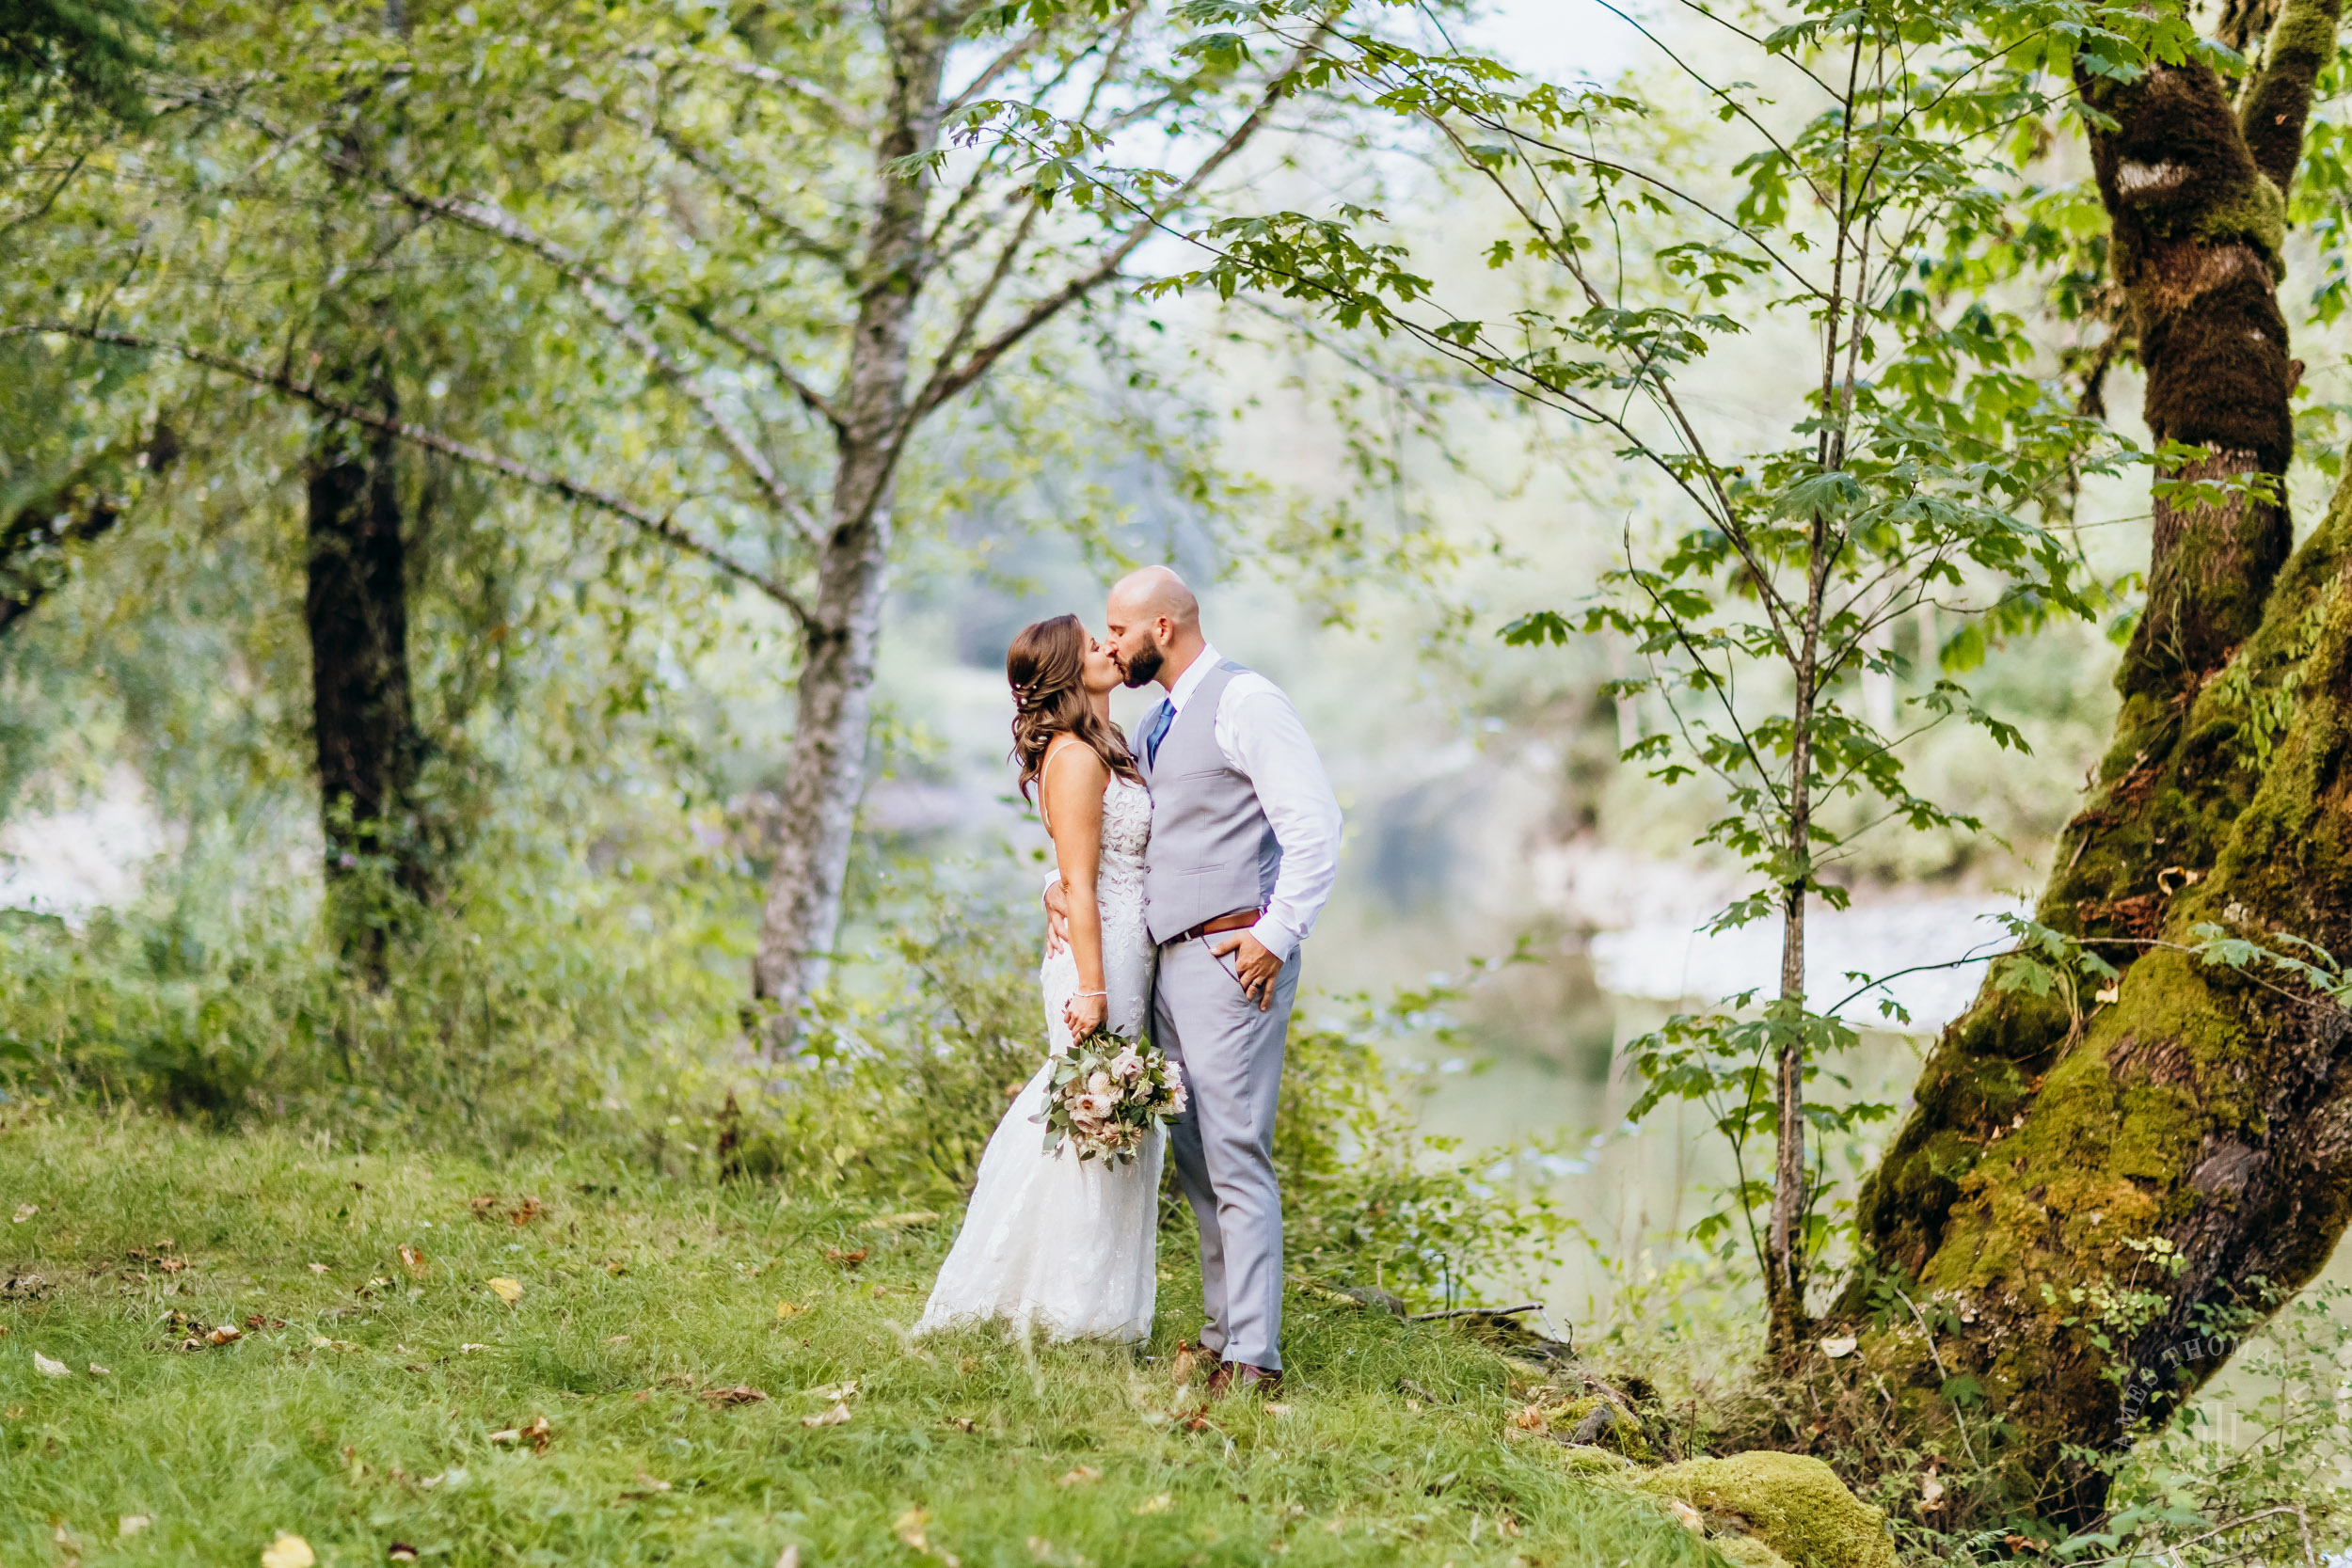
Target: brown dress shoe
1239, 1377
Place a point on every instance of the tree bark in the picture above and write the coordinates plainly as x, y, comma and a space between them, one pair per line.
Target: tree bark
1785, 1239
827, 772
2198, 231
356, 609
2138, 1164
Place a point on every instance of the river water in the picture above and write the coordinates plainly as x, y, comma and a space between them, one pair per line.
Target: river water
1535, 1061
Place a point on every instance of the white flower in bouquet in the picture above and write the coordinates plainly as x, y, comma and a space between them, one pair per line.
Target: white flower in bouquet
1127, 1066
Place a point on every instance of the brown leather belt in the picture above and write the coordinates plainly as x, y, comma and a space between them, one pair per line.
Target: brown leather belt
1240, 920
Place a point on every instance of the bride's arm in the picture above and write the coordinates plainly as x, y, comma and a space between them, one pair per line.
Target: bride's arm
1072, 787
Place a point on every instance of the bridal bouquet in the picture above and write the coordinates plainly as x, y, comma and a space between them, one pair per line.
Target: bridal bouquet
1107, 1094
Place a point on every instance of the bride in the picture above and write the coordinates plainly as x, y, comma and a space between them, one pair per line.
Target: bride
1052, 1241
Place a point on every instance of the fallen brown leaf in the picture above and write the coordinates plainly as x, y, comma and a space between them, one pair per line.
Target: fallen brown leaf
224, 1334
412, 1259
841, 1260
1081, 1475
507, 1291
833, 1417
789, 1309
525, 1211
742, 1393
538, 1435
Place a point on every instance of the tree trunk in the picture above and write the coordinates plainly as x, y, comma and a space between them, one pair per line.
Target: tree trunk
356, 610
2138, 1166
827, 773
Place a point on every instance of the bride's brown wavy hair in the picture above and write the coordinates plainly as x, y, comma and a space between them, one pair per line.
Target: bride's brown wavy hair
1046, 666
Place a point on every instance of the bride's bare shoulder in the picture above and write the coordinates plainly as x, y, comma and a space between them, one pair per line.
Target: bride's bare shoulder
1087, 764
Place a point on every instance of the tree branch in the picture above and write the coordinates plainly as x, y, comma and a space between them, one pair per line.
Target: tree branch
2278, 105
705, 164
662, 528
608, 297
1021, 49
799, 86
945, 382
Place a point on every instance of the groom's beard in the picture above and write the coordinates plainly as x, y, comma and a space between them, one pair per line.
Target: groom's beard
1143, 668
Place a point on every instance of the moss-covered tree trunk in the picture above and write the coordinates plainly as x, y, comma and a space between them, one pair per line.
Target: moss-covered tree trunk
2087, 1186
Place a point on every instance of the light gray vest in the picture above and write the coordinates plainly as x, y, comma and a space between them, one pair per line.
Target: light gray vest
1212, 851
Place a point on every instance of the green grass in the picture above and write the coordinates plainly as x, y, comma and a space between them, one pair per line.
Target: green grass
638, 1297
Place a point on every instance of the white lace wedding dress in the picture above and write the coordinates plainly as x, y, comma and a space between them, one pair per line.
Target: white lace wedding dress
1052, 1242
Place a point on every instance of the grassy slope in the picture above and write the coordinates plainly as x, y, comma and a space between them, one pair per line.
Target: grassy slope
226, 1446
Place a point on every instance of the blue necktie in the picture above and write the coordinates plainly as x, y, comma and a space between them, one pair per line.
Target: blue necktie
1162, 717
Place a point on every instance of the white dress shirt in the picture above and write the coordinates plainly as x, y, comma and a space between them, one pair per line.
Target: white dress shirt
1264, 740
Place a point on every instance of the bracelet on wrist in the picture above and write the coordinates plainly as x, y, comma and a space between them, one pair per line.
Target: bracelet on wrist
1104, 994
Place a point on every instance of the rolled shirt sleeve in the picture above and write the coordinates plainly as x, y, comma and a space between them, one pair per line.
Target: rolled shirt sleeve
1263, 738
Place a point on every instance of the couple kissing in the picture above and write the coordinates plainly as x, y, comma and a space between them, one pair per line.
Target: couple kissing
1189, 868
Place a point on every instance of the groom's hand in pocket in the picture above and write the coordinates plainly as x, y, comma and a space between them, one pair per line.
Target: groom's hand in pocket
1254, 965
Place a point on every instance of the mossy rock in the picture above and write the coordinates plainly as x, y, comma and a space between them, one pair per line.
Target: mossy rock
1587, 1458
1794, 1505
1598, 1421
1746, 1551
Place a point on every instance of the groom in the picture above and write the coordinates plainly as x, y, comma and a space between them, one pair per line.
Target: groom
1245, 843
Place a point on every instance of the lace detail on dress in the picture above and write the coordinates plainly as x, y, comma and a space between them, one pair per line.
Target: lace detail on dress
1128, 953
1050, 1241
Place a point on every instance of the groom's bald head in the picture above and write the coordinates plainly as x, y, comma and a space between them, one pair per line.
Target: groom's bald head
1154, 624
1155, 593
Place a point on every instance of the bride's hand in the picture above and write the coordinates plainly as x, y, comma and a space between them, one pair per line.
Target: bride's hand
1084, 1015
